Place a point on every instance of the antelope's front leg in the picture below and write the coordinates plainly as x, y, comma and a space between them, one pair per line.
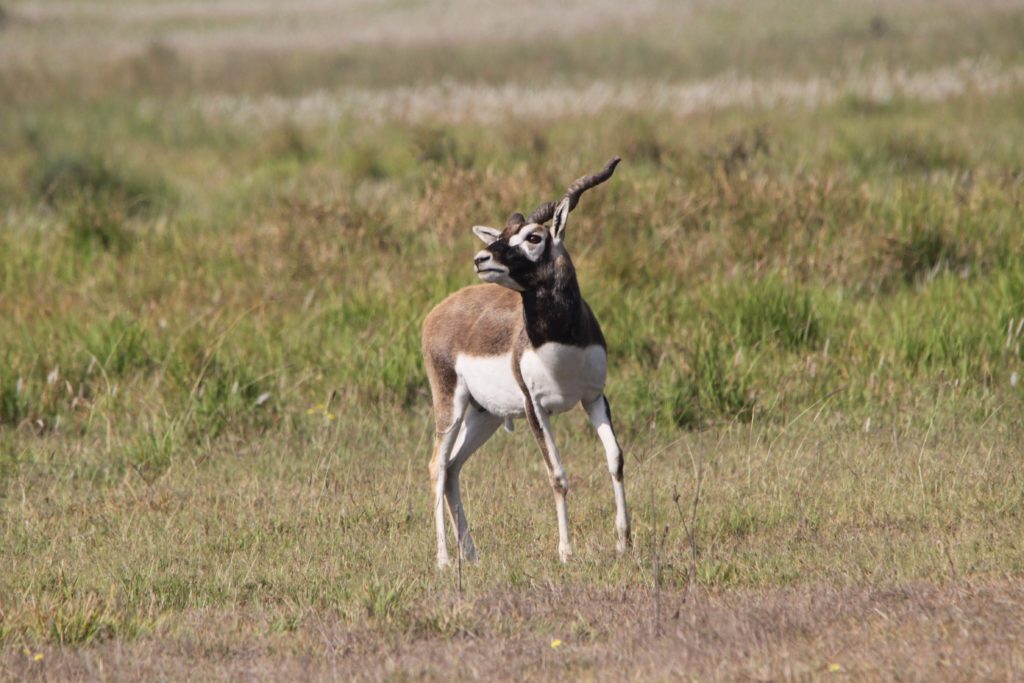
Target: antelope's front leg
541, 426
601, 417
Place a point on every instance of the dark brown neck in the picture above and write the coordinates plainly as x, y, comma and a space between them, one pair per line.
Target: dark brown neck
556, 311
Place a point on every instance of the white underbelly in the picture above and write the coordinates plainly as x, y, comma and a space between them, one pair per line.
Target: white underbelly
559, 376
491, 384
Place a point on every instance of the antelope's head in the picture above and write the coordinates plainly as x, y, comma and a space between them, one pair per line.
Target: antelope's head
523, 256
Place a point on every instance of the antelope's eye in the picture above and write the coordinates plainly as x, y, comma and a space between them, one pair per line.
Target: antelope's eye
534, 238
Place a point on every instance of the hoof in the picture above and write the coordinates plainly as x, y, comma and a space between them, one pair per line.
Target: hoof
564, 554
469, 551
625, 541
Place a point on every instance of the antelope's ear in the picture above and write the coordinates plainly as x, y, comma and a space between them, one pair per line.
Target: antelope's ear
488, 235
558, 221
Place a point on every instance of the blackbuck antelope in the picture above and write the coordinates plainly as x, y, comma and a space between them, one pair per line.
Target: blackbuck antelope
525, 345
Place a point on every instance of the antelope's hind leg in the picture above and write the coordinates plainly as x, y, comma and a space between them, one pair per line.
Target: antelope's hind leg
600, 414
477, 426
449, 420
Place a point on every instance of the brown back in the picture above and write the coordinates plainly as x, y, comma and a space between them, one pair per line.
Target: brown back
481, 320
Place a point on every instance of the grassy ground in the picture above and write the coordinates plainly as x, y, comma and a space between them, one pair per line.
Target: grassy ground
220, 233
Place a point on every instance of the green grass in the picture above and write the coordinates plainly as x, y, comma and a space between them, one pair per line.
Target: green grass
215, 424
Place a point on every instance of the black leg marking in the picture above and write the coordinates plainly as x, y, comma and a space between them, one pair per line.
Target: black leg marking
622, 458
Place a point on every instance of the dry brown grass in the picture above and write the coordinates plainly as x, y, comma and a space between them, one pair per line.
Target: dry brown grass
915, 632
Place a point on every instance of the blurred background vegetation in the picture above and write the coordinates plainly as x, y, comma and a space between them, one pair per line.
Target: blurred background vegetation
241, 201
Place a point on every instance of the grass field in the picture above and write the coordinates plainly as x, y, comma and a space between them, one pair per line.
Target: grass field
222, 224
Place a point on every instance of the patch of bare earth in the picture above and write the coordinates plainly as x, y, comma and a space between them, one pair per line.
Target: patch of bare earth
911, 632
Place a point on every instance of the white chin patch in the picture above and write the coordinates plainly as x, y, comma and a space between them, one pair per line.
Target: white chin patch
499, 278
